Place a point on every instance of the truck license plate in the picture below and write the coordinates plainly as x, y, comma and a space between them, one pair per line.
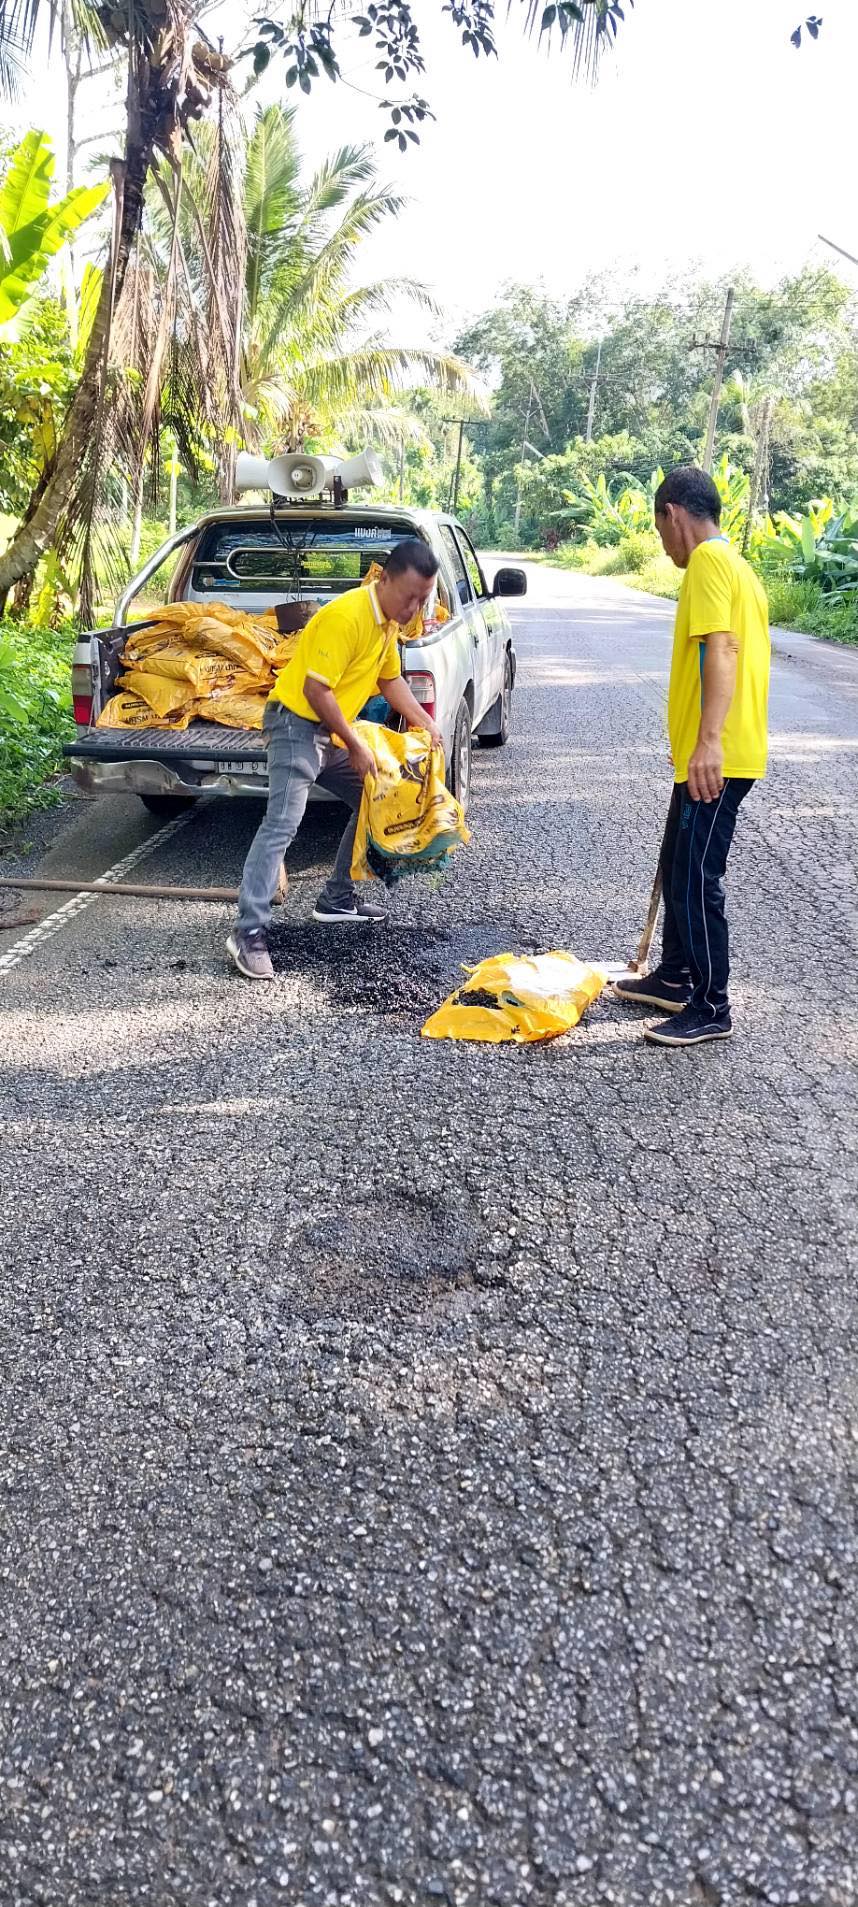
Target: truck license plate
231, 767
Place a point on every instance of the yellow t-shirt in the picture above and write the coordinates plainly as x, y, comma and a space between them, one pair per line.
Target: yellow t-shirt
721, 592
348, 646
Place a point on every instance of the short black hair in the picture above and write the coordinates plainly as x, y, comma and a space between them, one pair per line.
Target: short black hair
411, 553
692, 489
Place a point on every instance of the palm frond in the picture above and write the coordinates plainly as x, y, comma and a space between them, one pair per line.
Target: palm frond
377, 371
338, 175
586, 38
321, 280
380, 296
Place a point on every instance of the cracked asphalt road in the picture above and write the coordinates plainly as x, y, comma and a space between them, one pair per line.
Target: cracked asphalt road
429, 1472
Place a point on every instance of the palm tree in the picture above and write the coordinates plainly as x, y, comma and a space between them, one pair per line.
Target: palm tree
172, 74
305, 364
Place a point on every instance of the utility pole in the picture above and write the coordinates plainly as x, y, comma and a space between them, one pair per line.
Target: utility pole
454, 485
760, 466
401, 469
521, 459
591, 408
720, 361
458, 465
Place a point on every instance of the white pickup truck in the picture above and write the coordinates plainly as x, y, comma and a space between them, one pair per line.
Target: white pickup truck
462, 671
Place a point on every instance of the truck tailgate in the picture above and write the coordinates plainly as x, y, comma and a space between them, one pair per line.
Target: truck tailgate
200, 744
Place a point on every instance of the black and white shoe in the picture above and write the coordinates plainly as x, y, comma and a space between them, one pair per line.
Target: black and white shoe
652, 989
691, 1027
361, 913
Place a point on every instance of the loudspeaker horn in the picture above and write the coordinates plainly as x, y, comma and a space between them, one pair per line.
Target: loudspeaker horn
299, 475
357, 471
251, 473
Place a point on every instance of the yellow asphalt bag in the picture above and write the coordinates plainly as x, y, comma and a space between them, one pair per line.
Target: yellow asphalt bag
517, 997
408, 820
131, 711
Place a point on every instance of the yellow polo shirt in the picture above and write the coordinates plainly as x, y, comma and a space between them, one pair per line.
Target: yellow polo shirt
348, 646
720, 592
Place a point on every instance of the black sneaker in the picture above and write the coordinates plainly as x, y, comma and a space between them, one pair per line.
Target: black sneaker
249, 953
690, 1028
354, 916
651, 989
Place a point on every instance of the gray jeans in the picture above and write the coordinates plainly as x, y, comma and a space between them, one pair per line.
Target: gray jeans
299, 754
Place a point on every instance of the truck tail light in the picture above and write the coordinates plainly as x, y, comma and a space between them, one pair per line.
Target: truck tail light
422, 686
81, 683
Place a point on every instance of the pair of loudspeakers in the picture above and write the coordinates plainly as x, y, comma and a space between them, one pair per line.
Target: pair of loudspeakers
298, 475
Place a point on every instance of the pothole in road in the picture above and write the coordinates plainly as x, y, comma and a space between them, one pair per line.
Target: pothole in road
396, 972
397, 1255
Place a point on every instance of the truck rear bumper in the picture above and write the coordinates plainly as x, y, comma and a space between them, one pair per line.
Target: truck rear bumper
191, 764
155, 778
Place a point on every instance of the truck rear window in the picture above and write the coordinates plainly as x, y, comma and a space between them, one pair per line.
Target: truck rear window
292, 557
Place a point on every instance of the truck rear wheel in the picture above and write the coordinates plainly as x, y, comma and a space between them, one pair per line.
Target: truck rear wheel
167, 807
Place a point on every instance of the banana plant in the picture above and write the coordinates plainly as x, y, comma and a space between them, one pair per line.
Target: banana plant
32, 229
819, 547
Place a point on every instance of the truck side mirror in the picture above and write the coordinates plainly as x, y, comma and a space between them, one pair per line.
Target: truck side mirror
510, 582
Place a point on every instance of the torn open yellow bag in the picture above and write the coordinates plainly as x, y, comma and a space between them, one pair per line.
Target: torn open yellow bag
408, 820
520, 997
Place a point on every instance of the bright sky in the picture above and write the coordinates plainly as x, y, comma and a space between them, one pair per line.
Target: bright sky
708, 141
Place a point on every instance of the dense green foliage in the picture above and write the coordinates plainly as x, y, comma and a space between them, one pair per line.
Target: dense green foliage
796, 346
35, 714
639, 372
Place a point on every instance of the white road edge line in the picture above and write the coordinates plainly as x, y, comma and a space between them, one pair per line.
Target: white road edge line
55, 922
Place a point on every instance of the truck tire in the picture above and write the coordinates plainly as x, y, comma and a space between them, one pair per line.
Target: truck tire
502, 737
167, 807
459, 765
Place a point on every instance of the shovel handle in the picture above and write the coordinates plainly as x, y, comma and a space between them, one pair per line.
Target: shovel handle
645, 942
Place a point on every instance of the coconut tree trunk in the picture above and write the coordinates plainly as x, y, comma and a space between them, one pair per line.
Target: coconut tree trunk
137, 519
36, 533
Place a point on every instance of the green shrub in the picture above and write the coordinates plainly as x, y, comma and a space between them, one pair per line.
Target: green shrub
636, 550
35, 715
660, 577
803, 605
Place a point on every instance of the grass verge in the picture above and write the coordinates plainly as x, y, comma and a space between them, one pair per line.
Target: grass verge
792, 605
35, 716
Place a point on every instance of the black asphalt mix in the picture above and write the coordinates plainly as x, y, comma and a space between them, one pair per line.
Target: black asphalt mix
428, 1472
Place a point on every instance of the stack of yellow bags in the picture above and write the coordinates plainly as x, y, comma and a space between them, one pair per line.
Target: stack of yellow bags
198, 662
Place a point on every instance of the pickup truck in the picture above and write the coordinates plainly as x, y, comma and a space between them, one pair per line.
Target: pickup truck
462, 671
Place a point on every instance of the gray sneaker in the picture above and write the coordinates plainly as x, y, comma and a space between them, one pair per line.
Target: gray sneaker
249, 953
360, 910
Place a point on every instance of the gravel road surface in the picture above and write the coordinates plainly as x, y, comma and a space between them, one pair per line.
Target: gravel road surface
429, 1472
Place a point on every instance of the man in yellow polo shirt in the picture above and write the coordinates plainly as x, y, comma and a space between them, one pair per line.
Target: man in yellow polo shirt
346, 653
718, 724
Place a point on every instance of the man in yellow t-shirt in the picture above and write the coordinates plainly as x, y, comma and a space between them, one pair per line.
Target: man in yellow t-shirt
346, 653
717, 717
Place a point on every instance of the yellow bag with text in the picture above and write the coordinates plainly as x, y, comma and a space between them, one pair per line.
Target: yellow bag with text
520, 997
234, 710
249, 646
164, 694
408, 820
130, 711
202, 673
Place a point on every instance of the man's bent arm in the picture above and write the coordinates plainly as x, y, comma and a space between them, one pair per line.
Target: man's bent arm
324, 703
720, 662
